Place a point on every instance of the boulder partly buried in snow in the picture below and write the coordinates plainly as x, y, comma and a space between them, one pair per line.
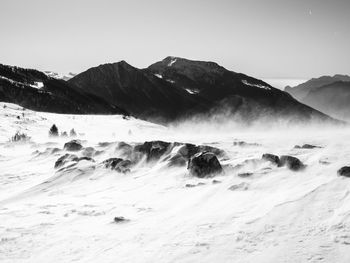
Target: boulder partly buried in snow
344, 171
291, 162
188, 150
177, 160
70, 158
65, 159
306, 146
73, 146
117, 164
153, 149
204, 164
271, 158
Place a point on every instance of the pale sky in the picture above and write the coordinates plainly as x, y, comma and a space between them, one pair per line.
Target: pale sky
262, 38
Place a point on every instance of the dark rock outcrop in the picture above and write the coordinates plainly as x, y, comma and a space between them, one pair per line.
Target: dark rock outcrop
271, 158
291, 162
204, 164
117, 164
244, 175
153, 149
70, 158
243, 144
187, 150
65, 159
120, 219
306, 146
178, 160
344, 171
73, 146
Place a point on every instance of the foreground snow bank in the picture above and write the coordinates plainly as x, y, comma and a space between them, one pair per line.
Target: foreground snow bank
253, 212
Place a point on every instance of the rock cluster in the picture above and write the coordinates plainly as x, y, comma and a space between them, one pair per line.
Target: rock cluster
291, 162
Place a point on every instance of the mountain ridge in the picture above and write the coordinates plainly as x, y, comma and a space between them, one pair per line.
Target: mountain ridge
176, 88
300, 91
35, 90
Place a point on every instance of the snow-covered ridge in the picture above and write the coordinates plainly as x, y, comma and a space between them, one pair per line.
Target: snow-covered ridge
245, 82
63, 76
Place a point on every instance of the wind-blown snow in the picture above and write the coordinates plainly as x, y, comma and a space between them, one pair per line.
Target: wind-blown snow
245, 82
10, 80
275, 215
37, 85
158, 76
192, 91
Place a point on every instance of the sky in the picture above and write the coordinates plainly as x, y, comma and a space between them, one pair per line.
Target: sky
261, 38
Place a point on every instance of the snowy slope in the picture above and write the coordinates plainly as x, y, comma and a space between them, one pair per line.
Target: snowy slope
274, 215
63, 76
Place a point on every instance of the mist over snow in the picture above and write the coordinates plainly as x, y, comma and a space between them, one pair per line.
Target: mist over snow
254, 211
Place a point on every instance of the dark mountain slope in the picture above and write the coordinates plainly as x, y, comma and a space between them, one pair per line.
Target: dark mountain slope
34, 90
142, 94
230, 92
176, 88
300, 92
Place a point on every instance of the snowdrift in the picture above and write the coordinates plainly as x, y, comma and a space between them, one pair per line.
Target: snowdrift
254, 211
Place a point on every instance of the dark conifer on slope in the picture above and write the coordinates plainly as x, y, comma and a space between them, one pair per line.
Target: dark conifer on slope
53, 132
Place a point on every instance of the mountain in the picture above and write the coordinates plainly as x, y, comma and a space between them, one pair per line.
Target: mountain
37, 91
301, 91
332, 99
177, 88
56, 75
141, 92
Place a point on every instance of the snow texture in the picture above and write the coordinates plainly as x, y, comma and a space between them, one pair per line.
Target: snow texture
245, 82
92, 214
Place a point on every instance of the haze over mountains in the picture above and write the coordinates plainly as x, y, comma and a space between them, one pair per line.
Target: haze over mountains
173, 89
329, 94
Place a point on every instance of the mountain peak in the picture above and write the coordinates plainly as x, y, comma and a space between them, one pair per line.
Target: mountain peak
178, 63
170, 60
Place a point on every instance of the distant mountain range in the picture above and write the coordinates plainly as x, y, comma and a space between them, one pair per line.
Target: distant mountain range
330, 95
56, 75
169, 90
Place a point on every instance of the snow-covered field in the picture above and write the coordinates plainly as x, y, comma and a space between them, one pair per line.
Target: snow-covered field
273, 215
